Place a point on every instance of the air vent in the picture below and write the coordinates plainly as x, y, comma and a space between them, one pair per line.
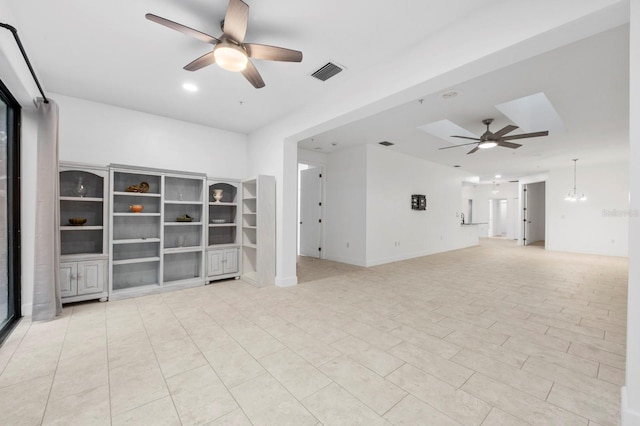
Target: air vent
327, 71
386, 143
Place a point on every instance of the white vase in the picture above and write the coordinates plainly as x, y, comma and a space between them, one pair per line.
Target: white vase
217, 195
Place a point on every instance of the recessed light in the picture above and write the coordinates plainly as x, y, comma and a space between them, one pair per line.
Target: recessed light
386, 143
190, 87
457, 165
318, 148
498, 176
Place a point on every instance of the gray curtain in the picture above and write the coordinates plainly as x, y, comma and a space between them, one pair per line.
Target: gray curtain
46, 281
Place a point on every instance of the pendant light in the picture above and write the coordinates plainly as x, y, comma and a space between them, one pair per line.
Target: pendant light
573, 195
494, 191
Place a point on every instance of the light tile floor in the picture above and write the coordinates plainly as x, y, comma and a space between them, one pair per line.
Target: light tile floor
490, 335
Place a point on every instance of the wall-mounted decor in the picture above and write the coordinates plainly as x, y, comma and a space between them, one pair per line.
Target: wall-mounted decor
418, 202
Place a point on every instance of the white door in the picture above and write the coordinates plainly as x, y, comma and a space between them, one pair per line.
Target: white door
230, 261
214, 262
534, 213
91, 276
310, 212
68, 279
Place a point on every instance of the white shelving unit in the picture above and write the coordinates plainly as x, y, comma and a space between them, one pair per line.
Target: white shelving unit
83, 247
223, 233
259, 230
152, 250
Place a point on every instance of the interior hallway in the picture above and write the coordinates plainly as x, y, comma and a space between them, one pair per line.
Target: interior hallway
496, 334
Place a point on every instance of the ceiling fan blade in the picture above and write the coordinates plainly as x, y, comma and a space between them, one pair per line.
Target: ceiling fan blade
201, 62
455, 146
235, 20
509, 145
182, 28
252, 74
272, 53
526, 135
466, 137
473, 150
504, 131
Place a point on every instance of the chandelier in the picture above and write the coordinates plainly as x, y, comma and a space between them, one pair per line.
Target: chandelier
573, 194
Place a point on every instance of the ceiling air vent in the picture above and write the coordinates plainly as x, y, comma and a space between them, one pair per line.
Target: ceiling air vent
327, 71
386, 143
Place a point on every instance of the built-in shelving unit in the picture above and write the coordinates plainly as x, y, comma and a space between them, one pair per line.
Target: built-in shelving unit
223, 236
161, 246
258, 230
83, 232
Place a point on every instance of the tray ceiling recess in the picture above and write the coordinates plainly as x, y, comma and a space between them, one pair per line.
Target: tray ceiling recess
531, 113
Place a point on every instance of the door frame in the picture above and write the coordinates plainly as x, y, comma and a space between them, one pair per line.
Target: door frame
322, 169
523, 205
13, 212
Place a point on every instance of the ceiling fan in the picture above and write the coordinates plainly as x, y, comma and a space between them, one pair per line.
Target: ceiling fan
490, 139
229, 51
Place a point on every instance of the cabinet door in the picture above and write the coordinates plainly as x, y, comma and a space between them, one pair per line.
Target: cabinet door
214, 262
230, 261
68, 279
91, 276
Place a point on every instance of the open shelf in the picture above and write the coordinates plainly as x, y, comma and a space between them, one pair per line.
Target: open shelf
137, 260
136, 194
83, 248
137, 241
81, 228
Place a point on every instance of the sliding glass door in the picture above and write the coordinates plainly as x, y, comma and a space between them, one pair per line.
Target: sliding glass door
9, 212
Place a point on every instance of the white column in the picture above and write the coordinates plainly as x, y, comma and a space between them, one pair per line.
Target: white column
631, 391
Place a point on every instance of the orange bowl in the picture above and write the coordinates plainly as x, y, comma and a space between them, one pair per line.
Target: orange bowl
136, 208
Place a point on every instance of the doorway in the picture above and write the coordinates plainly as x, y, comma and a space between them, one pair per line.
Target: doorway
498, 218
310, 210
534, 214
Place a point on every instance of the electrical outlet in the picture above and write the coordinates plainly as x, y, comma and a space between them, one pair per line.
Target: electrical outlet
347, 244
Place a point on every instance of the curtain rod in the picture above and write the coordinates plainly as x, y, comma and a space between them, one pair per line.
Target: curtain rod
26, 59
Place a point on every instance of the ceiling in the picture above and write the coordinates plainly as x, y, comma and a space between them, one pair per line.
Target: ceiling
106, 51
586, 82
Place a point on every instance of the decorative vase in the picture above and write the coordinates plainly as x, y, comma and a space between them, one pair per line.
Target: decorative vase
80, 189
217, 195
136, 208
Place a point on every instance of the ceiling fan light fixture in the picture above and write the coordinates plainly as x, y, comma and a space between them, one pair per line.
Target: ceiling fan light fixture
230, 57
487, 144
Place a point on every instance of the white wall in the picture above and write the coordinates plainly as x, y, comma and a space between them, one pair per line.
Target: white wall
631, 391
346, 206
312, 157
394, 231
101, 134
599, 225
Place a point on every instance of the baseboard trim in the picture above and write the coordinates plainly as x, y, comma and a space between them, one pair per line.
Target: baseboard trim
27, 309
629, 417
286, 282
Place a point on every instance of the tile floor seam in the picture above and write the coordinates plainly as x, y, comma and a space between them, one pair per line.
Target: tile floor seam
106, 328
350, 393
2, 345
155, 355
55, 372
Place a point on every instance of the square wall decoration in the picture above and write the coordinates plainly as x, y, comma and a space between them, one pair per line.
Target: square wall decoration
418, 202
